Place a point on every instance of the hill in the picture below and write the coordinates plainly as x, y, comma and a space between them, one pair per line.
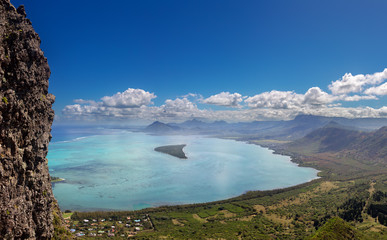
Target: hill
337, 138
332, 137
373, 145
289, 130
159, 127
336, 228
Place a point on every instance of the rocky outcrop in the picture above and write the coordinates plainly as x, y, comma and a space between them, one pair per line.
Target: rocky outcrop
26, 199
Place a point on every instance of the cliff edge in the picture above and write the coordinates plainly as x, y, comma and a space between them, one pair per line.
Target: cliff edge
27, 203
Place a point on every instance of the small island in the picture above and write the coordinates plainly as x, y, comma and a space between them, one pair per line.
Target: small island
173, 150
56, 179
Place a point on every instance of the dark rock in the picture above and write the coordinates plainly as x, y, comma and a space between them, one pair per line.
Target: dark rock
21, 11
26, 199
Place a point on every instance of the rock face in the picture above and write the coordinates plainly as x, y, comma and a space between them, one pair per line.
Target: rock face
26, 199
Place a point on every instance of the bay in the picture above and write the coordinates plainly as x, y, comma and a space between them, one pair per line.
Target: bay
109, 169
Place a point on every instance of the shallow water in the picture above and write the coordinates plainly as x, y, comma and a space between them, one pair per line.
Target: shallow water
117, 169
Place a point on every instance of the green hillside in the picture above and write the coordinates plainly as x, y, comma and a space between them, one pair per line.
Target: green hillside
336, 228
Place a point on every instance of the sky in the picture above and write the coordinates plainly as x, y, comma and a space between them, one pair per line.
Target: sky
173, 60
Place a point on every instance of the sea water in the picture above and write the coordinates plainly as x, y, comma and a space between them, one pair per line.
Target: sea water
107, 169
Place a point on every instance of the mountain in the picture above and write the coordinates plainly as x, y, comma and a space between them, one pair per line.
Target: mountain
289, 130
364, 146
194, 123
159, 127
373, 145
332, 137
28, 208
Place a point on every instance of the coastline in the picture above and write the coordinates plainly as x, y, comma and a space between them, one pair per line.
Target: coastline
245, 191
276, 149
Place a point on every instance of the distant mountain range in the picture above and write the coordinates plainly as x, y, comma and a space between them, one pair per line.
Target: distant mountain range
294, 129
340, 139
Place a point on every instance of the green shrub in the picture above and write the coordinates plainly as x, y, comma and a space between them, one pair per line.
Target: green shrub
4, 100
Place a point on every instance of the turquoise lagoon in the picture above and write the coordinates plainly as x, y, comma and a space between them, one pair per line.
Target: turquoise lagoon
119, 169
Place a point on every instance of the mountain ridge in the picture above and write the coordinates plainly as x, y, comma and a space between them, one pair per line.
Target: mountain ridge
288, 130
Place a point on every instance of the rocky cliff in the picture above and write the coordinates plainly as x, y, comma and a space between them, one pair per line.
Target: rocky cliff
26, 200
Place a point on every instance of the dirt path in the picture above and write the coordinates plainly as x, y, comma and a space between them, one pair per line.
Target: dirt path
371, 190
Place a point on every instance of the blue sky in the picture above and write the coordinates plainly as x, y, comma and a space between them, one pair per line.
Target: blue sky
238, 60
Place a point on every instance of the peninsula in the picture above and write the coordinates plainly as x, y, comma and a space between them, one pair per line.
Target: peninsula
173, 150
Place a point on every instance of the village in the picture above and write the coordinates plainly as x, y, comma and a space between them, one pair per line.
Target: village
117, 226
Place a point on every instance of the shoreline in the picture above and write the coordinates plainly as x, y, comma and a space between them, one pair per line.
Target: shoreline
293, 157
274, 150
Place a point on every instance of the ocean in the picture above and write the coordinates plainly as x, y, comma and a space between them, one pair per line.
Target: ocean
118, 169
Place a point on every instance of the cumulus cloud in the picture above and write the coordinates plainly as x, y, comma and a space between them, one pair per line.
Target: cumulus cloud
275, 99
352, 84
172, 110
181, 110
315, 96
224, 99
131, 98
134, 104
179, 105
356, 98
379, 90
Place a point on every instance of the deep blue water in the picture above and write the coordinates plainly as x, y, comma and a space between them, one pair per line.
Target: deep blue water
118, 169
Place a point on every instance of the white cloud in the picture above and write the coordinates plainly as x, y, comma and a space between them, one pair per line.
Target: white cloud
275, 99
179, 105
379, 90
131, 98
315, 96
82, 101
356, 98
352, 84
181, 110
133, 104
192, 95
172, 110
224, 99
